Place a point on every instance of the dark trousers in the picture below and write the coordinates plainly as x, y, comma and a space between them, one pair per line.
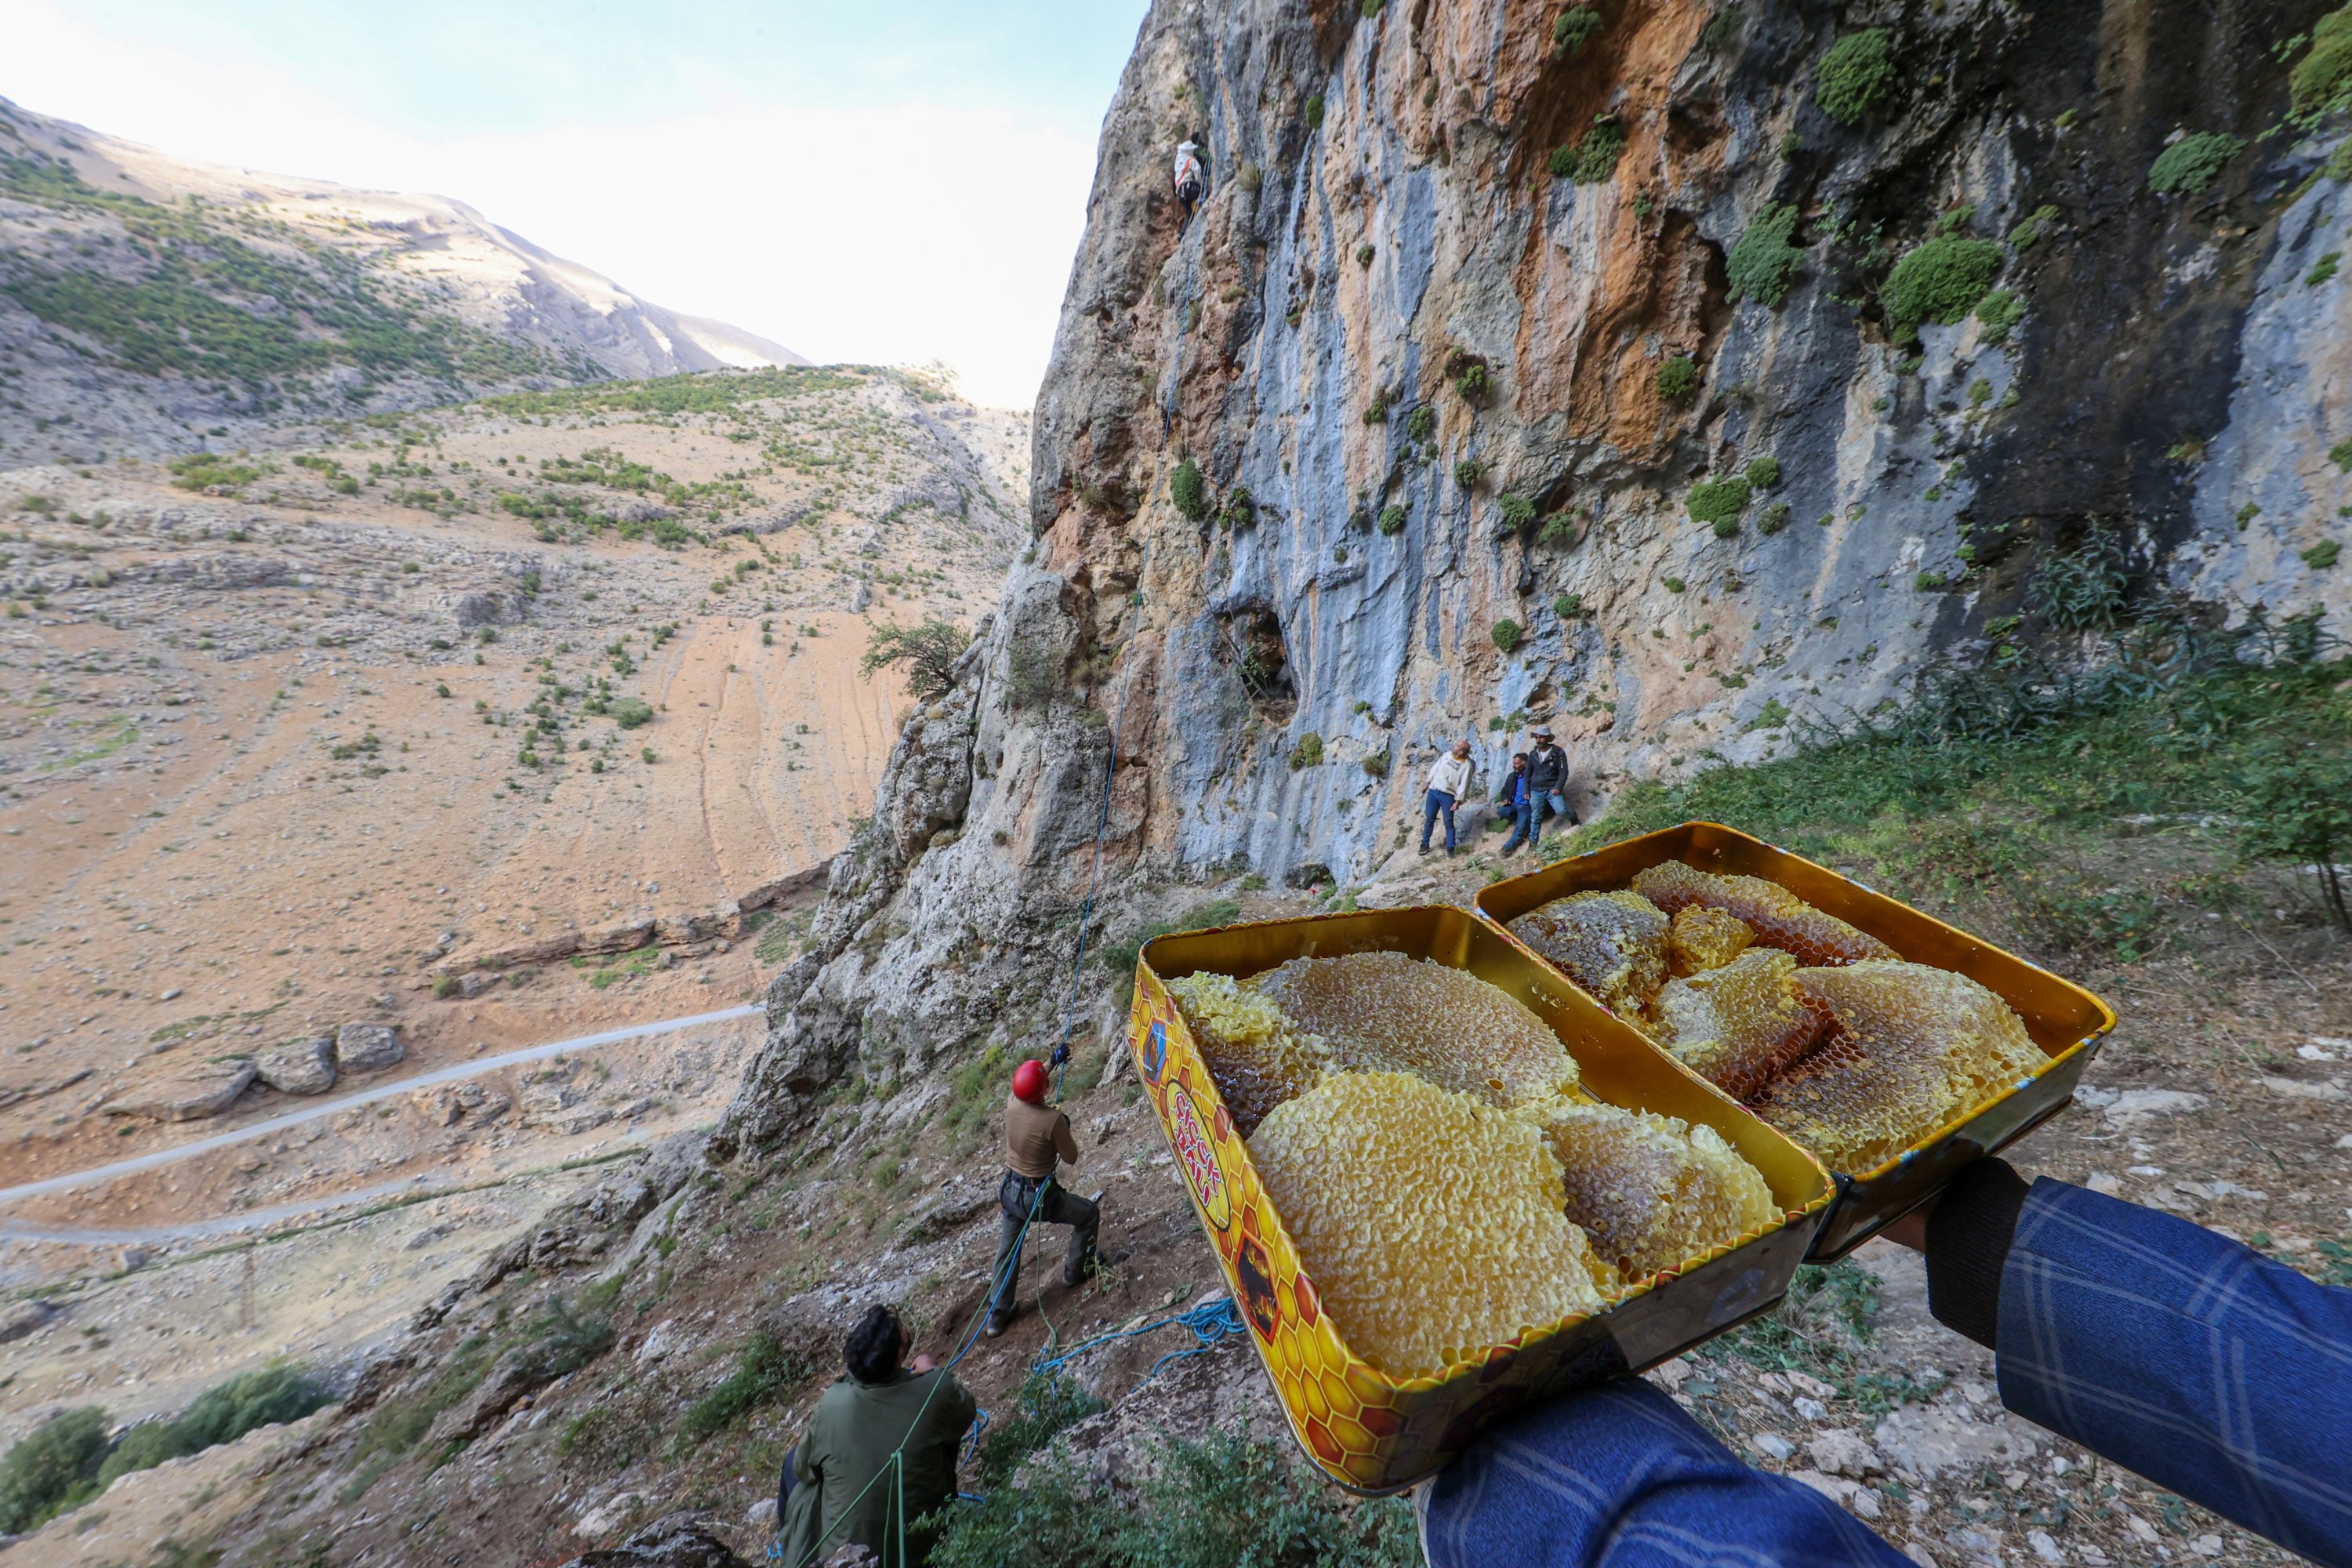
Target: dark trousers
1053, 1206
1433, 804
1523, 825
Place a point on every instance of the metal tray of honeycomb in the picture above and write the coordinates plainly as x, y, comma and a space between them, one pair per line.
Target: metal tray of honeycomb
1370, 1431
2064, 1021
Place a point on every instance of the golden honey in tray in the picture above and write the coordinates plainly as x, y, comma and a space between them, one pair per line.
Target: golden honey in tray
1821, 1028
1423, 1135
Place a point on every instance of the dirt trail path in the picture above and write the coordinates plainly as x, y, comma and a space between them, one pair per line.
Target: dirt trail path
342, 1102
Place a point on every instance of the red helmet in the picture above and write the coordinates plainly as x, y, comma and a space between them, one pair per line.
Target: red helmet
1029, 1081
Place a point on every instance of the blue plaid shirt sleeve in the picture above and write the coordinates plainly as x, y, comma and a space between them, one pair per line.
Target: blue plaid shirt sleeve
1620, 1476
2187, 1357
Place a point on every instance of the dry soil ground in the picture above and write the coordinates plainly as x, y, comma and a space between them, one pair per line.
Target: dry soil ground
273, 747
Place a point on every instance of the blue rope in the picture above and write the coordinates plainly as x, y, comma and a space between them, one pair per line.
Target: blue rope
1212, 1322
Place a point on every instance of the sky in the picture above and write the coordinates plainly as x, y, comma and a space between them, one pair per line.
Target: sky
898, 183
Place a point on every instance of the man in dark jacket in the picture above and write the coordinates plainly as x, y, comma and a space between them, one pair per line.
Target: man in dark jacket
834, 1490
1547, 782
2212, 1371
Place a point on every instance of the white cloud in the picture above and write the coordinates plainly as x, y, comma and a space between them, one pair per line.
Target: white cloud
896, 234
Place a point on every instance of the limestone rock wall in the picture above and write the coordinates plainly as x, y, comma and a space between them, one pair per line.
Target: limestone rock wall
1284, 648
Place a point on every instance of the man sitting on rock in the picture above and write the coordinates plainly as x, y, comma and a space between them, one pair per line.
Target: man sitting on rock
887, 1406
1036, 1139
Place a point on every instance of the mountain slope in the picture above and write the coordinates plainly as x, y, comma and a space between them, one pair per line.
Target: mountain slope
144, 300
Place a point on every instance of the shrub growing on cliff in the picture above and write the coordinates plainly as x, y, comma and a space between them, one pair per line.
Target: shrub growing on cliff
929, 651
1856, 77
1999, 310
1593, 158
1718, 500
2028, 230
1573, 30
1392, 519
2190, 165
1472, 384
2082, 590
1307, 753
1468, 472
1315, 112
1515, 511
1676, 379
1764, 472
1188, 491
1422, 422
1762, 266
2322, 80
1940, 280
1773, 518
1508, 634
1240, 509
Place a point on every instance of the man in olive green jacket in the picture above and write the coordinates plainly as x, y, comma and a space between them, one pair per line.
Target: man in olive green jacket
880, 1408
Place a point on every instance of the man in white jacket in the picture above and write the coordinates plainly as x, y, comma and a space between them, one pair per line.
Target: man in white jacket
1449, 781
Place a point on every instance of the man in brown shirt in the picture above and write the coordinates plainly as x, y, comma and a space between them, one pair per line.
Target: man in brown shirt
1036, 1138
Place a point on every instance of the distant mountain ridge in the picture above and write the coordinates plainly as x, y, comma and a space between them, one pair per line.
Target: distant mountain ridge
146, 300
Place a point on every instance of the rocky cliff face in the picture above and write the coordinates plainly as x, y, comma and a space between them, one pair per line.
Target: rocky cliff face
1670, 373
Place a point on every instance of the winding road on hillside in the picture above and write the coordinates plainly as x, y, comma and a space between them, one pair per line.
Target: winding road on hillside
451, 1074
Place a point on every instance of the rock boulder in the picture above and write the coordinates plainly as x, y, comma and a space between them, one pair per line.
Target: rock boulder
187, 1094
298, 1067
367, 1048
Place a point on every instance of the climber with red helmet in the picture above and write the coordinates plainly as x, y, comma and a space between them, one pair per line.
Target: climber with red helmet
1038, 1138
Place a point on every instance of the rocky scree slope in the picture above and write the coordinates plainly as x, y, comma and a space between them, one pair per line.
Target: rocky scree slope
147, 301
1679, 375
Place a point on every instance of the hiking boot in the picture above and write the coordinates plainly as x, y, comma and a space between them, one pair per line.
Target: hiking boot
998, 1322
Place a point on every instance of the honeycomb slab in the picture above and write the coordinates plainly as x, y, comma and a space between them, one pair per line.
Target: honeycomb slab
1740, 1025
1913, 1048
1651, 1192
1257, 1057
1382, 1012
1433, 1224
1614, 944
1778, 917
1704, 939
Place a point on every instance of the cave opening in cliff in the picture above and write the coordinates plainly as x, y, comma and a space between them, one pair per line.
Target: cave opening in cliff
1250, 644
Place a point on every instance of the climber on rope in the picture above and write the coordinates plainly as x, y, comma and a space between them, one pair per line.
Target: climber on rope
827, 1497
1192, 179
1036, 1140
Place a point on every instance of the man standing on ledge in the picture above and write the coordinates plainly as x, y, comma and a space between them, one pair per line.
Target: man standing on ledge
1546, 782
1036, 1139
1449, 781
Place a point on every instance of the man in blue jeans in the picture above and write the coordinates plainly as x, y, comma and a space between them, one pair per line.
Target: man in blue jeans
1449, 781
1518, 805
1547, 782
2190, 1358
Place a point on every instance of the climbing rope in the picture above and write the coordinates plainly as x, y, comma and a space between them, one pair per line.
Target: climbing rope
1212, 1324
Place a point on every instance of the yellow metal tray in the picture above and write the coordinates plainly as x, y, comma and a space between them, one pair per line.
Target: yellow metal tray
1370, 1432
2066, 1021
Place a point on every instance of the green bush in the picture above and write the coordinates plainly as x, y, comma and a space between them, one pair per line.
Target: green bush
2029, 229
1230, 1498
1999, 310
1315, 112
1307, 753
2190, 165
2340, 454
1773, 518
1726, 528
1468, 472
631, 712
1047, 1405
1240, 509
1188, 491
2322, 80
930, 652
2082, 590
1715, 500
1764, 472
1473, 385
1675, 585
1568, 606
1515, 511
1508, 634
2323, 555
1593, 157
764, 1373
1856, 77
1391, 519
2323, 269
51, 1468
1722, 30
2293, 793
1940, 280
1763, 264
222, 1413
1573, 30
1044, 1521
1422, 422
1676, 379
1376, 764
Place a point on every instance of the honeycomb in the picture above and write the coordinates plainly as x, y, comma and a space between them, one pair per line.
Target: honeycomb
1651, 1190
1913, 1047
1380, 1012
1738, 1025
1704, 939
1256, 1058
1778, 917
1432, 1226
1613, 945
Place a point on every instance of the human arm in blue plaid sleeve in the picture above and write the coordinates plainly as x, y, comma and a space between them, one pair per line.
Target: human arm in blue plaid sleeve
1621, 1476
2178, 1353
